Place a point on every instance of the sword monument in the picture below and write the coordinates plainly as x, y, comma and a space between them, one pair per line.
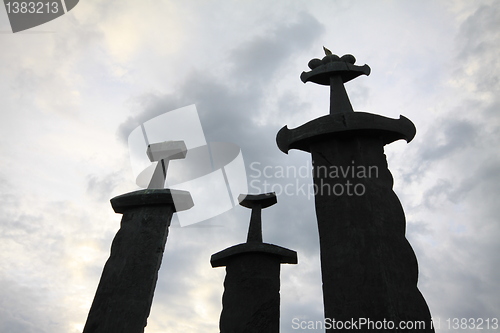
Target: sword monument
369, 269
125, 293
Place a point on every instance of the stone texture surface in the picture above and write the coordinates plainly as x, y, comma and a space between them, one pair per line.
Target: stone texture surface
123, 298
369, 269
251, 300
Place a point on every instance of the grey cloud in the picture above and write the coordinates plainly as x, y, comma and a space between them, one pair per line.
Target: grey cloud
438, 193
260, 57
478, 46
221, 108
359, 95
301, 313
479, 41
294, 226
479, 32
289, 104
458, 134
457, 270
416, 228
15, 224
490, 112
101, 188
227, 110
479, 184
29, 310
151, 106
464, 277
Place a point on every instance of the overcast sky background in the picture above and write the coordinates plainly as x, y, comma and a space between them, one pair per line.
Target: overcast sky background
73, 89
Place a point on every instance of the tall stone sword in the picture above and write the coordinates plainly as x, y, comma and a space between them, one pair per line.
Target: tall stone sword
369, 269
123, 298
251, 300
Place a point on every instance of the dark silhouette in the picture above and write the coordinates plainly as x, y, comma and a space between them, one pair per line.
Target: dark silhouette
123, 298
369, 269
251, 300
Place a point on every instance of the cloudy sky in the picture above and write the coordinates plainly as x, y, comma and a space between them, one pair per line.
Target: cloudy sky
72, 90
